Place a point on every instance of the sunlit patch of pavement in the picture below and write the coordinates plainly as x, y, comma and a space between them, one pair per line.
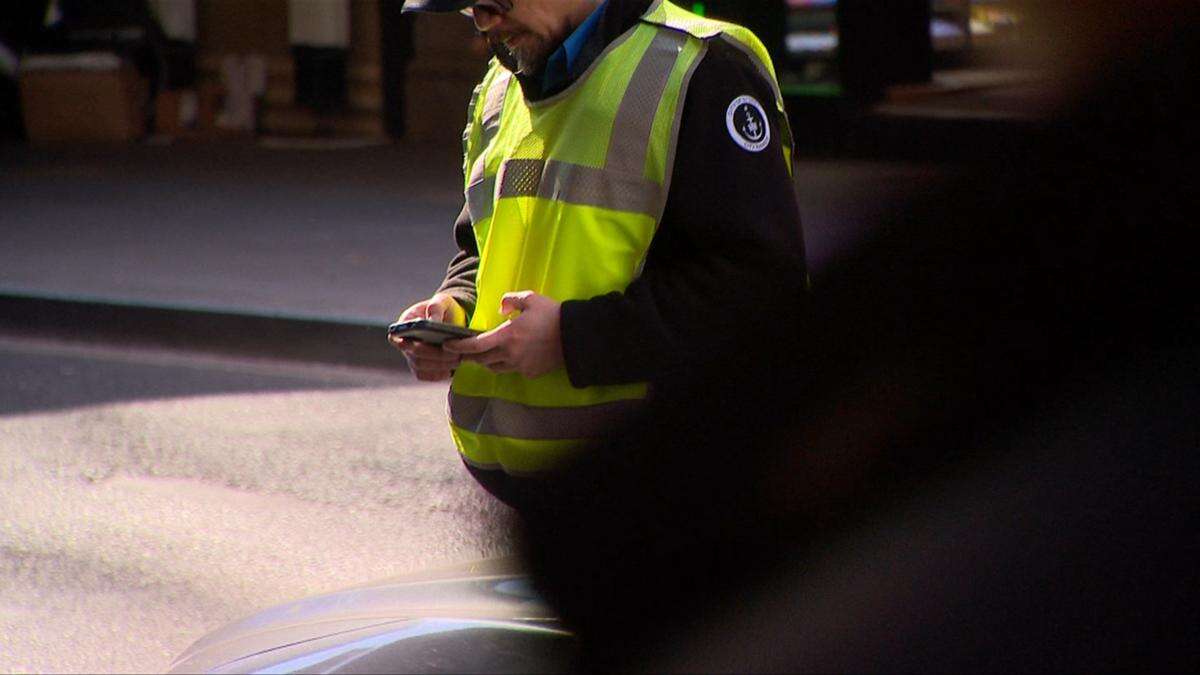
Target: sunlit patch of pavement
130, 529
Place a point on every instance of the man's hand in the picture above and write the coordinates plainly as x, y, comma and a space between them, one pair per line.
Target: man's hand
529, 344
430, 363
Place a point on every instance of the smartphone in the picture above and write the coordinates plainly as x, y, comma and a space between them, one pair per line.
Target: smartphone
430, 332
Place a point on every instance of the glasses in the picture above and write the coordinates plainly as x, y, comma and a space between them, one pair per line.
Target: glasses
489, 7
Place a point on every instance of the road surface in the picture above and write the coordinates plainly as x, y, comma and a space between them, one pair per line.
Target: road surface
147, 497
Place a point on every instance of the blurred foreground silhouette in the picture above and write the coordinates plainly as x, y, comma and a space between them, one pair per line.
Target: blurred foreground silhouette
978, 448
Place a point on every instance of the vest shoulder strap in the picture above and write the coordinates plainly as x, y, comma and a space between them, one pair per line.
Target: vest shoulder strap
483, 112
669, 15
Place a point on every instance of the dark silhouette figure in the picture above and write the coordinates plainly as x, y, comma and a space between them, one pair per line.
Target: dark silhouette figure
975, 451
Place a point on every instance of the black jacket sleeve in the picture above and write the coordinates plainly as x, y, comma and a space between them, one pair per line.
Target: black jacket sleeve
729, 250
460, 275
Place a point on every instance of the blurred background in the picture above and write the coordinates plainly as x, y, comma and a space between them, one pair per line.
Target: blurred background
352, 113
321, 68
209, 210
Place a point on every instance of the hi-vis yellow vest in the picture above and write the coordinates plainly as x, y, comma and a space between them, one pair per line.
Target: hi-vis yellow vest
564, 196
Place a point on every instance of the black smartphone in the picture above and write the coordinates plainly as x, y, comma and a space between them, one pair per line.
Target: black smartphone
430, 332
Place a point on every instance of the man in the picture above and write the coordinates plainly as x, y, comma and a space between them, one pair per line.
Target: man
629, 209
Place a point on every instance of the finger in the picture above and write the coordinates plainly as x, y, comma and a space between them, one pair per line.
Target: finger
405, 345
502, 368
436, 311
479, 344
422, 349
408, 345
417, 311
439, 359
424, 352
488, 359
433, 365
496, 364
433, 375
515, 302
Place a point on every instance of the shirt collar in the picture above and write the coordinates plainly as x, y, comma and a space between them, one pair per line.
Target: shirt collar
560, 67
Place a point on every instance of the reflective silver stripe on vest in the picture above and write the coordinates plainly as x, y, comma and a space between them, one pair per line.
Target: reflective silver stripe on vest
481, 198
493, 107
497, 417
673, 147
621, 185
577, 184
481, 190
635, 117
521, 178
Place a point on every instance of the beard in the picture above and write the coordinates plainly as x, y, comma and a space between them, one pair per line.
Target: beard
527, 59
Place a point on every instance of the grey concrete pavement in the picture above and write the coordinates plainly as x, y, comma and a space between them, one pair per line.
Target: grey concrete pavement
344, 234
349, 235
148, 497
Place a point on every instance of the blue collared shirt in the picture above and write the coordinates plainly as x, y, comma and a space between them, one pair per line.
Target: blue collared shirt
559, 67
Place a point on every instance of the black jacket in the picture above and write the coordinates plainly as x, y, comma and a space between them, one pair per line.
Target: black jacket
728, 252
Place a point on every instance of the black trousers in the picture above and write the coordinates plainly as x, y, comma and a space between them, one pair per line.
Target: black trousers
531, 497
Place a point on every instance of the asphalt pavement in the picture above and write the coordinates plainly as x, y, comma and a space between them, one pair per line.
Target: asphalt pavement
148, 497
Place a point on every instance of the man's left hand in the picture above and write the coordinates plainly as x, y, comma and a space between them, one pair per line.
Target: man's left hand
529, 344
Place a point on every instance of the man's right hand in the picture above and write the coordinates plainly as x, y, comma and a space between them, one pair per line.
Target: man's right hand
430, 363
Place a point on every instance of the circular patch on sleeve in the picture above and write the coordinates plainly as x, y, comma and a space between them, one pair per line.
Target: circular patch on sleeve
748, 124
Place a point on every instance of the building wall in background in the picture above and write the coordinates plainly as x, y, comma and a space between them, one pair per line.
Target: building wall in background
441, 60
178, 18
240, 27
319, 24
449, 61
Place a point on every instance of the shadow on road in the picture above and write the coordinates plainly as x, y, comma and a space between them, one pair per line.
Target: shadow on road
46, 376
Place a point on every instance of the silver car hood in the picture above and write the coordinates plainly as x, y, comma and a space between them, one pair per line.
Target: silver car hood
481, 617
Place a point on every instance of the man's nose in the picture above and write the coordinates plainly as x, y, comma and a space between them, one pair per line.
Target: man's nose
486, 18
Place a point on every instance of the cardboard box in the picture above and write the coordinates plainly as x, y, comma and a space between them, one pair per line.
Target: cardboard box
67, 100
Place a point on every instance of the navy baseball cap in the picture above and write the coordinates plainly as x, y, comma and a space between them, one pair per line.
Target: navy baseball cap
436, 5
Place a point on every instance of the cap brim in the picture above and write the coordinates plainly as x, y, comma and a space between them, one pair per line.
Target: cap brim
436, 5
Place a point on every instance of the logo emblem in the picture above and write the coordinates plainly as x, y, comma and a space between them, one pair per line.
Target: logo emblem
748, 125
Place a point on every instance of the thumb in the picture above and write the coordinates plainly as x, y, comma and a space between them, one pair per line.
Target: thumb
516, 302
435, 311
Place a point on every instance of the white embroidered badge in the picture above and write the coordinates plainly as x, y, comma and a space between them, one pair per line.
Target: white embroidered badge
748, 124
